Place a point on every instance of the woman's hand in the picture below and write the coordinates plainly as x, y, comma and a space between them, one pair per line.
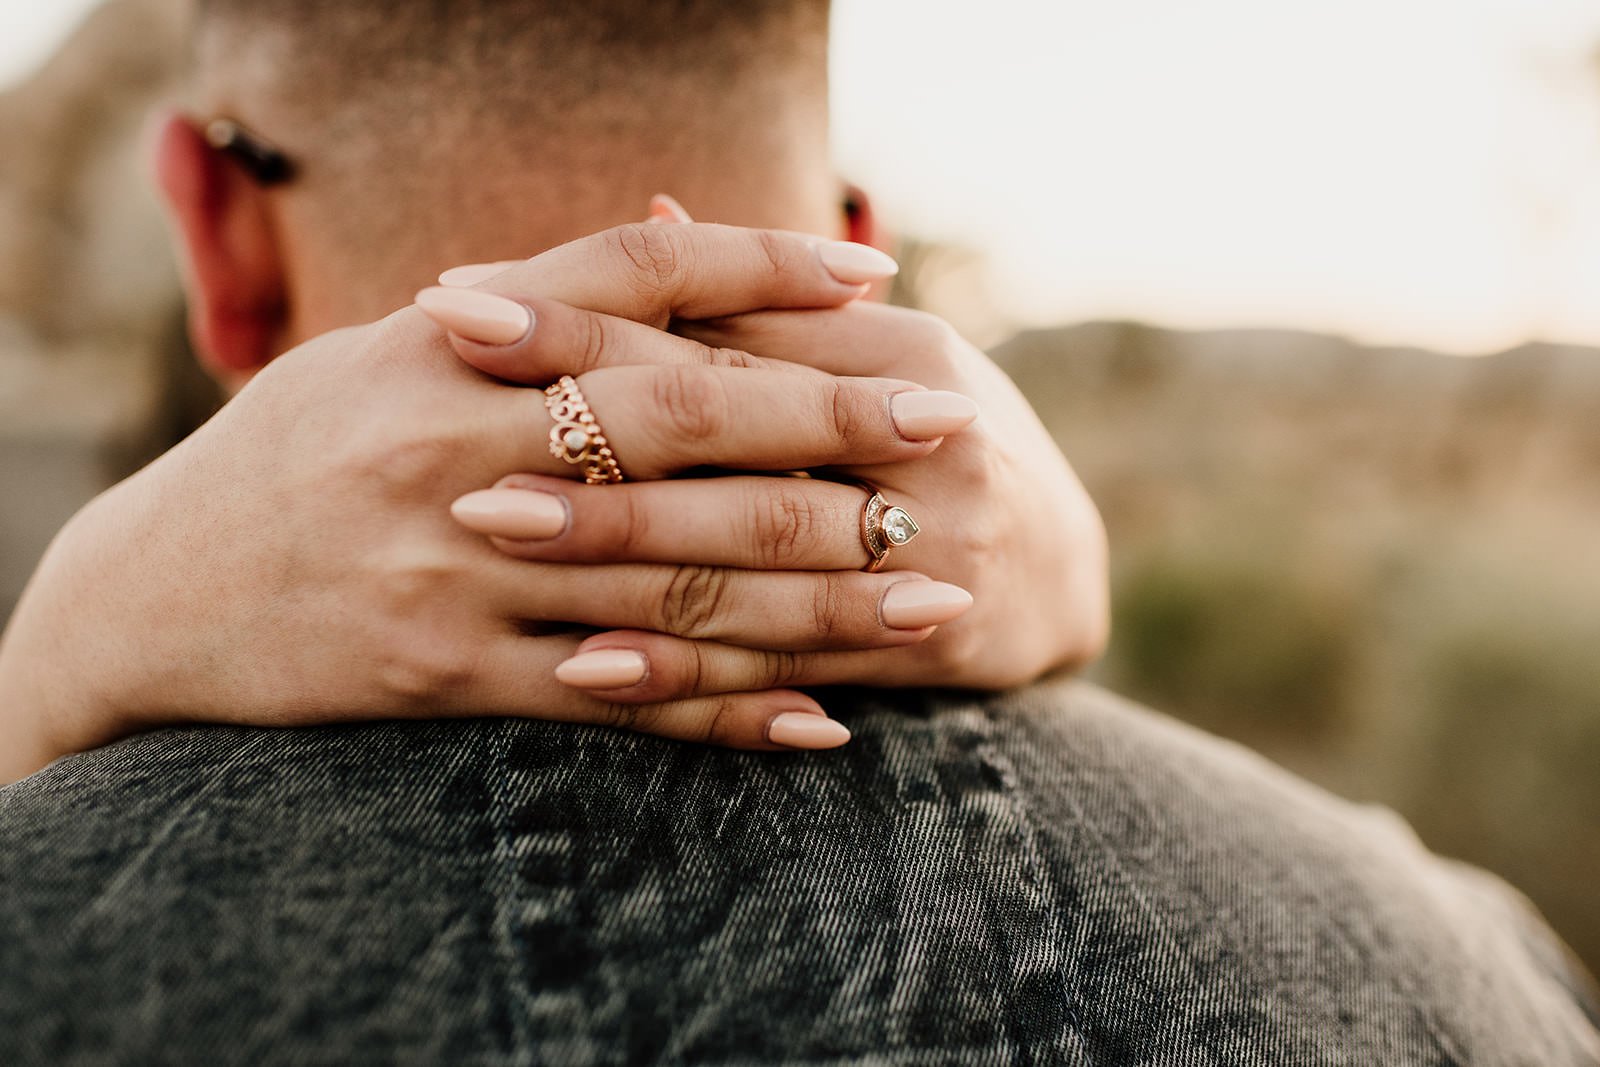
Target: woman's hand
295, 562
1001, 512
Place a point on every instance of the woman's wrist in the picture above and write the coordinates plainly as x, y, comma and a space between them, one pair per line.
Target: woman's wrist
60, 652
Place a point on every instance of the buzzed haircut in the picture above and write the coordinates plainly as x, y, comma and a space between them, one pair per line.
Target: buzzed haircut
329, 70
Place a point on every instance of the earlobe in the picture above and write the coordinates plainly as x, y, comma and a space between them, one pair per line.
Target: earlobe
861, 226
231, 260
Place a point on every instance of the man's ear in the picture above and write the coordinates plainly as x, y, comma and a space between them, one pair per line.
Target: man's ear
861, 222
233, 266
861, 226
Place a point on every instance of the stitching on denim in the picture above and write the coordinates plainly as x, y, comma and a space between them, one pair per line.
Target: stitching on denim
507, 940
1036, 871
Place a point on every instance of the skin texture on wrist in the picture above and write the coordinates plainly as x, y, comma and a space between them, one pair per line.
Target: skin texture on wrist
33, 700
66, 672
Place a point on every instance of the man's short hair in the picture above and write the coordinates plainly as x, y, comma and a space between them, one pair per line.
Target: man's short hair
403, 116
519, 67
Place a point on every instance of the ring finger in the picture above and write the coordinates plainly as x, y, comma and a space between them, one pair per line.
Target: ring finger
792, 611
665, 420
760, 523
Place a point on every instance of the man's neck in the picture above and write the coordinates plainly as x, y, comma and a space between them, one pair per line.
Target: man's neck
481, 218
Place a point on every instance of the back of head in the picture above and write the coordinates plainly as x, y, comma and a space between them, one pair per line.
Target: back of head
431, 131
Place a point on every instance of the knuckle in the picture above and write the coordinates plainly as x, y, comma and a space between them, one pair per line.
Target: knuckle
652, 255
779, 252
409, 581
418, 654
731, 357
402, 468
973, 463
594, 342
694, 670
692, 601
424, 674
780, 670
843, 410
785, 522
719, 724
829, 601
930, 332
954, 651
621, 716
692, 404
632, 532
979, 542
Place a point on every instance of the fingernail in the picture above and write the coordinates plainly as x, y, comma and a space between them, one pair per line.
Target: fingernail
470, 274
518, 514
604, 668
667, 209
481, 317
854, 264
799, 729
912, 605
924, 415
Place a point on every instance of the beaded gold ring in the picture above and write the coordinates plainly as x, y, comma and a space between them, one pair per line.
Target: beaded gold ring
576, 437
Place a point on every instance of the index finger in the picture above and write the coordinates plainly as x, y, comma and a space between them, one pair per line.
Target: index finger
694, 270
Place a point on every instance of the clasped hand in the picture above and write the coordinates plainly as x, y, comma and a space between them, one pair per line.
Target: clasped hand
375, 527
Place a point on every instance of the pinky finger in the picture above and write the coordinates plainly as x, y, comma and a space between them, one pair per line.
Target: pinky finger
469, 274
663, 209
642, 666
773, 720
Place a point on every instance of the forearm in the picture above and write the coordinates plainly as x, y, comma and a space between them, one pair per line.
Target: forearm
55, 659
29, 708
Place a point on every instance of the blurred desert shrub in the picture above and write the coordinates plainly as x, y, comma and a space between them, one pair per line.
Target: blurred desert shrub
1379, 567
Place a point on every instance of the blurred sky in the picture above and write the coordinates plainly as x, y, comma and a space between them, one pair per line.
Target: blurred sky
1419, 171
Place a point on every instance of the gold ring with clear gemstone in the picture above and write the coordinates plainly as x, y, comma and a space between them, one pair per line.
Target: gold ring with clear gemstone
576, 437
884, 526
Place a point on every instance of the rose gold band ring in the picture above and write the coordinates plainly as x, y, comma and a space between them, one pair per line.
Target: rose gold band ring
576, 437
884, 526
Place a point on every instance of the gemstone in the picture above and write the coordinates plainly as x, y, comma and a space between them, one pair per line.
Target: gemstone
898, 526
575, 440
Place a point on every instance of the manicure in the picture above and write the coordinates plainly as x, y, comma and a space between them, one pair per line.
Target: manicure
517, 514
664, 208
477, 316
604, 668
799, 729
924, 415
470, 274
913, 605
854, 264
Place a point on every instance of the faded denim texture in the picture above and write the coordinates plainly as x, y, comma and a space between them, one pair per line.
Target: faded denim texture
1050, 877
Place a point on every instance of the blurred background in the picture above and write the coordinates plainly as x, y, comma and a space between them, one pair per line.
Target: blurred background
1253, 262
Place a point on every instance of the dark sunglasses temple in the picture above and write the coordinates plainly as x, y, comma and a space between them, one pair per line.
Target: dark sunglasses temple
265, 163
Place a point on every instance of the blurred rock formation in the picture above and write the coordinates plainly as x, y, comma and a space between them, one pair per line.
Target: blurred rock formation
93, 375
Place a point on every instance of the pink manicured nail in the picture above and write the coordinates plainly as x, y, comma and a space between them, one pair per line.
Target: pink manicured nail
481, 317
854, 264
922, 416
912, 605
799, 729
666, 209
517, 514
470, 274
604, 668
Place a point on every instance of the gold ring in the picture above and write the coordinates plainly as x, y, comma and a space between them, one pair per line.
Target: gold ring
576, 438
884, 526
